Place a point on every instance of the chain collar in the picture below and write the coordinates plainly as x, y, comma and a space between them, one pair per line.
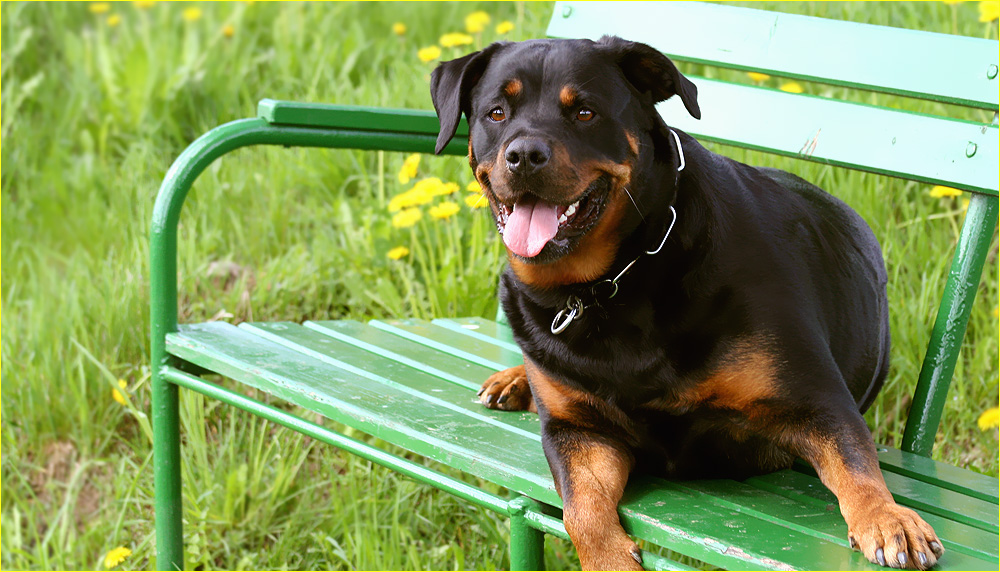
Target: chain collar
575, 306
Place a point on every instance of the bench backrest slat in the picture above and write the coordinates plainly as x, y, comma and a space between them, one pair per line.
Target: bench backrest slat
928, 149
941, 67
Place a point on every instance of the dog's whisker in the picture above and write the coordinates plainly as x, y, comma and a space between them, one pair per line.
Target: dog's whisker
633, 203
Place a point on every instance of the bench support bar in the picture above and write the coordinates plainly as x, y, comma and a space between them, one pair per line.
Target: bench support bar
949, 327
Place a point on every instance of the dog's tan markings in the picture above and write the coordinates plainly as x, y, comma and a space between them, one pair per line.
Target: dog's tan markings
508, 390
633, 142
513, 88
747, 375
567, 96
874, 520
471, 156
590, 475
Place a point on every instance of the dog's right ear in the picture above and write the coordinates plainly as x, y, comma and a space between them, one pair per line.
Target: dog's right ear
451, 85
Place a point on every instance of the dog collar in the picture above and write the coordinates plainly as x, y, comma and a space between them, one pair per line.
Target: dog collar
574, 305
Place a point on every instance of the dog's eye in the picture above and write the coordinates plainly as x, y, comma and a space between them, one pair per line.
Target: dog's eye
584, 114
497, 115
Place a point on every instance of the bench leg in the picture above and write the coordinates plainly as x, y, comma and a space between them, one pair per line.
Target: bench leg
527, 544
167, 474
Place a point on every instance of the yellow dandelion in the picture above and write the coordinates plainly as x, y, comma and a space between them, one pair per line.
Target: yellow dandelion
116, 557
144, 5
476, 22
228, 31
758, 77
399, 28
113, 20
430, 53
398, 252
791, 87
99, 8
117, 395
409, 168
965, 205
444, 210
940, 191
191, 14
444, 189
475, 201
406, 218
473, 187
952, 2
989, 418
989, 10
505, 27
455, 39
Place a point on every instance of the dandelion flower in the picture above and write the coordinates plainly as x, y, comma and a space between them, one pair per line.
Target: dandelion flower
399, 28
758, 77
444, 210
444, 189
99, 8
228, 31
474, 187
409, 168
455, 39
117, 395
113, 20
989, 418
791, 87
476, 22
989, 10
940, 191
116, 557
505, 27
144, 5
475, 201
191, 14
398, 252
952, 2
406, 218
430, 53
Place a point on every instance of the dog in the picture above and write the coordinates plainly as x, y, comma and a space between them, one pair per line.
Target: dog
680, 313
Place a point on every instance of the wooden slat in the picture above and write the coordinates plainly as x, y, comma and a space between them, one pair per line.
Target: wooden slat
922, 148
943, 67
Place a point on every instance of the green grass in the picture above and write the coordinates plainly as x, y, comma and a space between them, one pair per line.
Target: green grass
92, 118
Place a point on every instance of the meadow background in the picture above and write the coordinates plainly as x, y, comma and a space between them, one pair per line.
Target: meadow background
97, 101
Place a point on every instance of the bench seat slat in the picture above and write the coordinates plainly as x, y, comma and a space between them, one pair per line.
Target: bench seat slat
809, 490
353, 373
913, 63
378, 409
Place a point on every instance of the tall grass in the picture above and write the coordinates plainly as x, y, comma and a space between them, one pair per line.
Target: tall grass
93, 114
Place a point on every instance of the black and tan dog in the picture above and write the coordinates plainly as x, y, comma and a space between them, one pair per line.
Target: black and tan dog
679, 313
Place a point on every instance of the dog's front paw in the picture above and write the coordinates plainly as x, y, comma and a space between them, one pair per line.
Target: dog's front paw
895, 536
507, 390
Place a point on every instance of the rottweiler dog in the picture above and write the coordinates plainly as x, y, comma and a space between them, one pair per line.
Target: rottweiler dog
680, 313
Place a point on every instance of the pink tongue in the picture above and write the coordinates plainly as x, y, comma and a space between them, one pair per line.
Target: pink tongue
530, 227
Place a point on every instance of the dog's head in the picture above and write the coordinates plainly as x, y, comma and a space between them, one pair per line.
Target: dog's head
559, 131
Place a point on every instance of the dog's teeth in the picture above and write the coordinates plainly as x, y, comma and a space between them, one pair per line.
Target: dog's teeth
571, 210
562, 218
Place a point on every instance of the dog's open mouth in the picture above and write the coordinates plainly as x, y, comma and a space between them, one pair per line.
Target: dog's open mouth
532, 223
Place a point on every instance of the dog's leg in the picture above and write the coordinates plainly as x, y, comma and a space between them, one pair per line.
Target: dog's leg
590, 466
841, 449
508, 390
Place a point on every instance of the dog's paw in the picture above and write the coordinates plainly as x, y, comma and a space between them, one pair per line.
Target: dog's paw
507, 390
897, 537
623, 555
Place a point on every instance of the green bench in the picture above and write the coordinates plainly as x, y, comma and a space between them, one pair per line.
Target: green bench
412, 383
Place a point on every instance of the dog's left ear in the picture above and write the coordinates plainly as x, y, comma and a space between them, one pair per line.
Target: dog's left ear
451, 85
650, 71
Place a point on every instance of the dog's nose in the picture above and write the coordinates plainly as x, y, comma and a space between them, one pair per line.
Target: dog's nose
526, 155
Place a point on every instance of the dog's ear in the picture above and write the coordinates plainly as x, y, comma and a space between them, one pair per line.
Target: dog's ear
451, 85
650, 71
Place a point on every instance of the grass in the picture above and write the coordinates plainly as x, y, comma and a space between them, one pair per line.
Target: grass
92, 117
